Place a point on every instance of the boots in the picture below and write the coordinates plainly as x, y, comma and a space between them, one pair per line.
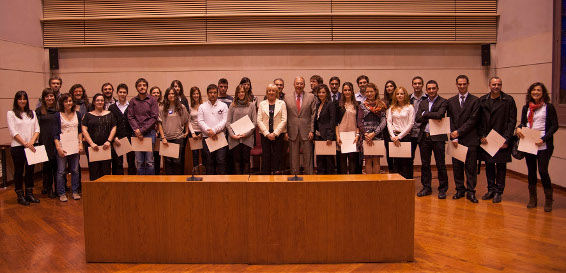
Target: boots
29, 196
548, 200
21, 198
246, 168
532, 197
237, 168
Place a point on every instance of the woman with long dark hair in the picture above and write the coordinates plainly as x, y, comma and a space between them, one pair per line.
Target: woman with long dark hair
24, 130
241, 144
194, 128
372, 121
173, 125
325, 128
539, 114
246, 83
68, 127
46, 119
388, 95
156, 93
178, 87
347, 116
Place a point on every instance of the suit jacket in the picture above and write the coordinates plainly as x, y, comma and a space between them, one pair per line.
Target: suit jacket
550, 125
123, 128
501, 117
438, 111
279, 118
338, 97
300, 124
325, 123
464, 119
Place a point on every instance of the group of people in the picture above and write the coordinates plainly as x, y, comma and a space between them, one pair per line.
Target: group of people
287, 126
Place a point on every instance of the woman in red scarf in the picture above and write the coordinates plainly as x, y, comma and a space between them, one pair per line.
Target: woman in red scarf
372, 122
538, 114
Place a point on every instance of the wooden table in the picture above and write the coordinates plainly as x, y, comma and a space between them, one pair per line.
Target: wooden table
249, 219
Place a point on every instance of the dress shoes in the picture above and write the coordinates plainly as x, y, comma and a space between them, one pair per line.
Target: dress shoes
441, 195
497, 198
488, 195
459, 195
472, 197
424, 192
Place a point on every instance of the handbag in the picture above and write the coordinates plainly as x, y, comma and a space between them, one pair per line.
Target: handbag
515, 149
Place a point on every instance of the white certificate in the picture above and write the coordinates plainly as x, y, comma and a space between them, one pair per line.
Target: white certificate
69, 143
124, 148
195, 144
99, 155
348, 145
220, 142
403, 151
169, 149
439, 127
459, 152
39, 156
144, 145
321, 148
527, 144
378, 148
242, 126
494, 142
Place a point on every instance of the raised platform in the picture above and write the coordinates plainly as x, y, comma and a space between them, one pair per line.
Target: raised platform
249, 219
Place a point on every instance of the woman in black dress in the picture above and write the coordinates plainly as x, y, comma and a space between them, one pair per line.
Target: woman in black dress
47, 122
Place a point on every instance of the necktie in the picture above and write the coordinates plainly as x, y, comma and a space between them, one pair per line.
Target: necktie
334, 99
462, 101
298, 104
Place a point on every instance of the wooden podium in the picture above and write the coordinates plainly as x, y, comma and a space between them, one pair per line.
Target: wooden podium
249, 219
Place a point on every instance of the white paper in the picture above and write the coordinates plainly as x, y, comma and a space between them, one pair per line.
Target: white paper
439, 127
321, 148
527, 144
459, 152
494, 142
378, 148
348, 145
69, 143
242, 126
220, 142
39, 156
169, 149
99, 155
403, 151
195, 144
144, 145
124, 148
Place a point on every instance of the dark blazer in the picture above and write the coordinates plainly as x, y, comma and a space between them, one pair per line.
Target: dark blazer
325, 123
437, 111
465, 119
123, 128
501, 117
550, 126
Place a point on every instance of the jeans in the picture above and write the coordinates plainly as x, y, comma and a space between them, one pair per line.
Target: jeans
144, 160
73, 161
21, 166
215, 161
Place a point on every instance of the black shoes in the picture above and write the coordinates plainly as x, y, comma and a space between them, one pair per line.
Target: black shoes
441, 195
472, 197
488, 195
459, 195
29, 196
22, 198
497, 198
424, 192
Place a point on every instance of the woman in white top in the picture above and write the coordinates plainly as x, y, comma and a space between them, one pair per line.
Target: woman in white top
400, 119
68, 129
24, 130
272, 122
539, 114
347, 115
194, 128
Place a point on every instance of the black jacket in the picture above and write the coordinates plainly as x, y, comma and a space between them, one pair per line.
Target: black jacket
550, 126
123, 128
501, 117
437, 111
465, 119
325, 123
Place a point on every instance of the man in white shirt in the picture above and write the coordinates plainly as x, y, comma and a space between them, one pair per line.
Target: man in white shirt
362, 82
212, 117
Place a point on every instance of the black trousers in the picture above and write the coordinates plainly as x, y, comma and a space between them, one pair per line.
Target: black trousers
98, 169
157, 161
495, 174
118, 163
414, 142
405, 166
427, 147
241, 155
391, 166
541, 159
215, 161
174, 166
469, 168
272, 154
49, 174
21, 167
348, 162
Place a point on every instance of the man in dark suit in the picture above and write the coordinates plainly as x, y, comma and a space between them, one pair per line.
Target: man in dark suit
463, 110
335, 97
498, 112
434, 107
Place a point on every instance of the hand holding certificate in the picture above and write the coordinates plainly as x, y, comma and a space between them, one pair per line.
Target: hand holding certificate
242, 126
69, 143
169, 149
195, 144
459, 152
40, 155
348, 145
403, 151
144, 145
100, 155
122, 146
494, 143
220, 142
439, 127
377, 147
322, 148
527, 144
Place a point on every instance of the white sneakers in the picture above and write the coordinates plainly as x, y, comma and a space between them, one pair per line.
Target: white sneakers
76, 196
63, 198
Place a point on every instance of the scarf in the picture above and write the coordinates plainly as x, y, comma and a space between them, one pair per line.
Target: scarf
374, 106
533, 107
